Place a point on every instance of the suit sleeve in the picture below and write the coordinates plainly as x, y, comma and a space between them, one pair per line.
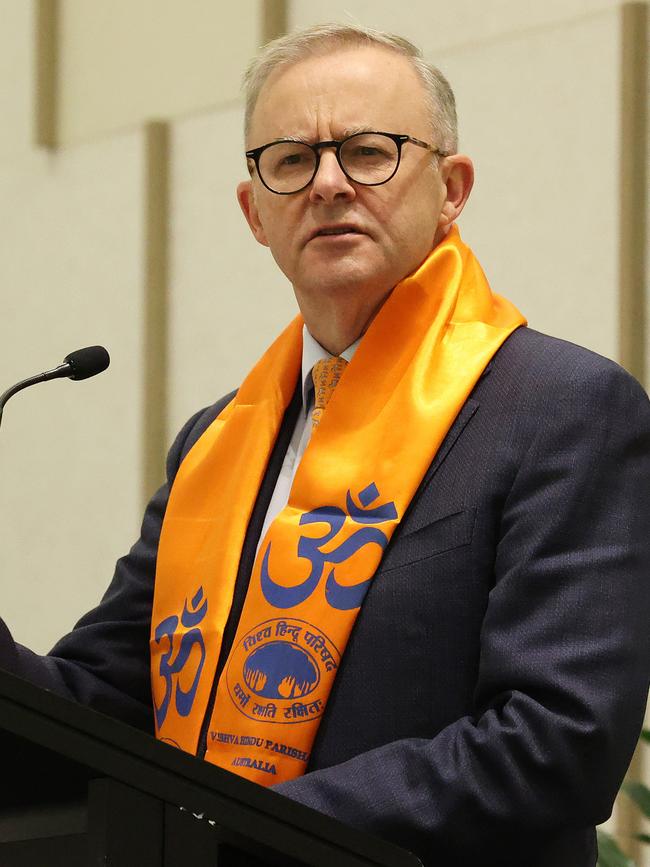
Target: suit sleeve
104, 661
565, 652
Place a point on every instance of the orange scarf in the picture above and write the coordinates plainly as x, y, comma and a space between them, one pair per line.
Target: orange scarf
410, 376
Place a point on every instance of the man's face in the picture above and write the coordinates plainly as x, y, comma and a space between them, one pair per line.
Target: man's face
396, 224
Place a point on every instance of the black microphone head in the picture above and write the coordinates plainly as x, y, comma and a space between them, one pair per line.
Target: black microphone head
87, 362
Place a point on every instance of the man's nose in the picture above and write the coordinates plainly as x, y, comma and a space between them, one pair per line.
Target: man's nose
330, 181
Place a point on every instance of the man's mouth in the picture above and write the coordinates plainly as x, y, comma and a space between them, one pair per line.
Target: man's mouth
343, 229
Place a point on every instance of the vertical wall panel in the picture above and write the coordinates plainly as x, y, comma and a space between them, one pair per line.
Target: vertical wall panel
17, 70
125, 62
633, 177
71, 274
228, 299
156, 302
544, 215
274, 19
46, 62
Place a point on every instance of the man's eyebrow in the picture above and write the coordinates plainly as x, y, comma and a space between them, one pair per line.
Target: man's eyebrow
348, 131
353, 130
297, 138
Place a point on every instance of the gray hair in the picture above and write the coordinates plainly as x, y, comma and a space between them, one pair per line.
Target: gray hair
316, 40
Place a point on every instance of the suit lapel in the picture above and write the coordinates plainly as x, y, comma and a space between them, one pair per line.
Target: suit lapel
469, 408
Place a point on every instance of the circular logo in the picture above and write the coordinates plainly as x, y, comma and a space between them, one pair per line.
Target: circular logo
281, 671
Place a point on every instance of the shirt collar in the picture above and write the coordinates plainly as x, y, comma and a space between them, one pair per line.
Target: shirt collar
312, 352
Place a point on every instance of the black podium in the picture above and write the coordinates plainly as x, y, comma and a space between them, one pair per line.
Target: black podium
79, 788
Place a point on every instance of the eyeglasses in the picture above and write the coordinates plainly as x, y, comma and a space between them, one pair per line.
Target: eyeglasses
369, 158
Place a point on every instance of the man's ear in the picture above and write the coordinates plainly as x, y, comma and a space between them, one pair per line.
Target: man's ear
457, 173
246, 199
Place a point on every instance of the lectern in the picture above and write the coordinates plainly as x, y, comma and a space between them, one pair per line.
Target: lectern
79, 788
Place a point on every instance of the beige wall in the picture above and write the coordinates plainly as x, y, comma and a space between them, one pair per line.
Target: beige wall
130, 235
227, 298
544, 220
123, 62
441, 26
70, 455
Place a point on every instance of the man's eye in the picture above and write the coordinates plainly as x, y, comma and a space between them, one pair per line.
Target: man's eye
367, 152
291, 159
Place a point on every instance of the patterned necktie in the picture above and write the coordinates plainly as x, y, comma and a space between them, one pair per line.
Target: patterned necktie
325, 374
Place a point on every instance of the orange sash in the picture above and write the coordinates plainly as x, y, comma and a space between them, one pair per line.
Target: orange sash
411, 374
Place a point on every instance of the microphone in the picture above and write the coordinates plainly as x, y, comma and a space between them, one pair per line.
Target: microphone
78, 365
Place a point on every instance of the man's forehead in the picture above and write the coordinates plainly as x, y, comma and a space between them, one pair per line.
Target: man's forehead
354, 88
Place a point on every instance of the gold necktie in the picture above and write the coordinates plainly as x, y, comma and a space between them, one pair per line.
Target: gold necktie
325, 374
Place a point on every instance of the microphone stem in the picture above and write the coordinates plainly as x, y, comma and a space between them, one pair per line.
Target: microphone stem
55, 373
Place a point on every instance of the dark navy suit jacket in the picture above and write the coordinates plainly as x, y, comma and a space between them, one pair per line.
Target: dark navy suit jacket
494, 685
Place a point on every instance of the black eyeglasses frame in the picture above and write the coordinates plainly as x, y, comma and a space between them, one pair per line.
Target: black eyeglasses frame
399, 138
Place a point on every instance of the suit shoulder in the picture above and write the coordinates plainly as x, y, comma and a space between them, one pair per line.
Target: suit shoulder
544, 362
539, 383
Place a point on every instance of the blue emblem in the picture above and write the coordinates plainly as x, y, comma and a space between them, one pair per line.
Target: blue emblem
340, 596
172, 665
281, 670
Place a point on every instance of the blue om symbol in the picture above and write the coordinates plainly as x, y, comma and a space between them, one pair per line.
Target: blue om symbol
170, 668
339, 596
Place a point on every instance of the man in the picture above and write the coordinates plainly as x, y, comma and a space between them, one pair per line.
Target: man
421, 607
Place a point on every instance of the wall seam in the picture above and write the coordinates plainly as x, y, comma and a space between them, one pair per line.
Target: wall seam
633, 187
46, 73
632, 273
156, 302
273, 19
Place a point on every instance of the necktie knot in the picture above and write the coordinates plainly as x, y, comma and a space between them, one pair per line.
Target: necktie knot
325, 374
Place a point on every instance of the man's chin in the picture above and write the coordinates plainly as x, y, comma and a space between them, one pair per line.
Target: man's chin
338, 282
341, 273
